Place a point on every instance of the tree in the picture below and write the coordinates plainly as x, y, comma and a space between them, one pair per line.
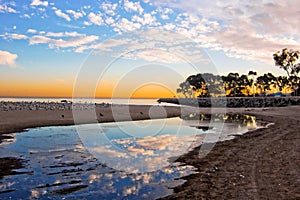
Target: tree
286, 59
265, 82
282, 82
252, 80
235, 84
295, 82
198, 84
206, 84
214, 84
185, 89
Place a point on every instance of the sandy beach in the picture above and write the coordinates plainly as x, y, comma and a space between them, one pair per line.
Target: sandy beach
262, 164
15, 120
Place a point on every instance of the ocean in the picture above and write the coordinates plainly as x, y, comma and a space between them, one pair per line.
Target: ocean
85, 100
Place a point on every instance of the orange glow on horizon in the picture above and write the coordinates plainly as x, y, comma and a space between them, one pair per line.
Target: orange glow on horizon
65, 90
153, 91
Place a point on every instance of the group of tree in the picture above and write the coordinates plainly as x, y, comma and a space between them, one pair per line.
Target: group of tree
234, 84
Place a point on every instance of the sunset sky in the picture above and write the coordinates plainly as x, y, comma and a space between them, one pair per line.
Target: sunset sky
133, 48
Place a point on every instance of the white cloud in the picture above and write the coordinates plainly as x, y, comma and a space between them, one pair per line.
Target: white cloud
109, 20
7, 58
95, 18
14, 36
33, 31
39, 3
26, 16
154, 45
86, 23
107, 45
6, 9
169, 27
109, 8
59, 13
133, 6
147, 19
64, 34
60, 43
75, 14
127, 26
164, 13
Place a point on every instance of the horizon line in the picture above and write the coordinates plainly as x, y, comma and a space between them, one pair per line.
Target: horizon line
41, 97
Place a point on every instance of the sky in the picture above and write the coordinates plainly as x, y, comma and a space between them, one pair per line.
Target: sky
138, 49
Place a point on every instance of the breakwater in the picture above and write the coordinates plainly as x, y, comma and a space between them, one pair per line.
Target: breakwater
234, 102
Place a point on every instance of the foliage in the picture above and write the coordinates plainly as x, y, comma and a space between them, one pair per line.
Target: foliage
207, 84
286, 59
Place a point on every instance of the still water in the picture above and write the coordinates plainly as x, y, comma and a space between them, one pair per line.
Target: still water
124, 160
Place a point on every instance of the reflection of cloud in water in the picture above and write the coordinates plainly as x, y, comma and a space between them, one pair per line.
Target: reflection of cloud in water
34, 194
176, 137
155, 143
107, 151
130, 190
145, 154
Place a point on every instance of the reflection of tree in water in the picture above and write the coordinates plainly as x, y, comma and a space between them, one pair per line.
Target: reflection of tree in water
242, 120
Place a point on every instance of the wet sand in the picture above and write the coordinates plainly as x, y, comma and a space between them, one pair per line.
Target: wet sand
262, 164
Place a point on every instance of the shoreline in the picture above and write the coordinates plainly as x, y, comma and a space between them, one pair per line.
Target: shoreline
65, 117
260, 164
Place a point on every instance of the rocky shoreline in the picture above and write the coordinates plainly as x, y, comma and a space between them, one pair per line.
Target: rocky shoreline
234, 102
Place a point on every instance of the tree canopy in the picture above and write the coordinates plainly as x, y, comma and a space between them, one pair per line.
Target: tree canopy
234, 84
287, 60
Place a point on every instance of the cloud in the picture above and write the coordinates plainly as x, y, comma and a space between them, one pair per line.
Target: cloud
109, 20
75, 14
154, 45
26, 16
96, 18
60, 43
59, 13
64, 34
164, 13
7, 9
105, 46
124, 25
147, 19
39, 3
109, 8
14, 36
33, 31
133, 6
245, 30
7, 58
249, 45
106, 151
156, 143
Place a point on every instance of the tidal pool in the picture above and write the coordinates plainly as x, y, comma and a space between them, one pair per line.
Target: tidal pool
131, 160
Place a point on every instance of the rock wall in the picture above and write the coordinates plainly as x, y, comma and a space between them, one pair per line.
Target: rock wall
234, 102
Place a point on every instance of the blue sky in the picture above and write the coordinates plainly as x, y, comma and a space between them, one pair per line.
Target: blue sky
48, 41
